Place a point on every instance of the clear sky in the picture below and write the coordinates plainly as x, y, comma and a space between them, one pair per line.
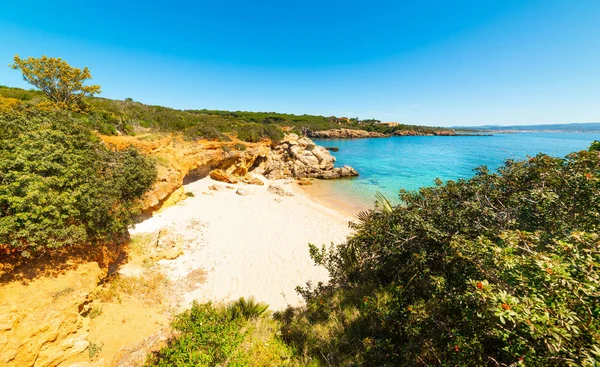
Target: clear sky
434, 62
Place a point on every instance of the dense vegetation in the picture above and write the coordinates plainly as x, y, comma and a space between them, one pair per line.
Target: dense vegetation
501, 269
313, 122
60, 186
128, 117
241, 334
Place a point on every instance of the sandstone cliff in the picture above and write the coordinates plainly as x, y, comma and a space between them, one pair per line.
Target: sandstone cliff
180, 161
41, 322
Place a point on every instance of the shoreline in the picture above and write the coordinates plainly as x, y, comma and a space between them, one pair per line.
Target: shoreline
321, 192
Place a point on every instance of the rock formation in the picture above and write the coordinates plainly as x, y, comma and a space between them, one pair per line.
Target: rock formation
345, 134
41, 322
302, 158
180, 161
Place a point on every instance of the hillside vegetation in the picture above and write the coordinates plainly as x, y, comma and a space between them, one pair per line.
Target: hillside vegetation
128, 117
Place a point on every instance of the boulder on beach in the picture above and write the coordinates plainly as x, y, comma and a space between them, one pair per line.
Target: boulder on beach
302, 158
221, 175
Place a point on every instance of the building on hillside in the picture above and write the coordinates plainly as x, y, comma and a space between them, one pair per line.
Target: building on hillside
390, 124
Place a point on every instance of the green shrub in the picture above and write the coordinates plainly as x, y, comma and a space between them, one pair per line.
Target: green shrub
239, 334
255, 132
247, 309
501, 269
59, 185
239, 146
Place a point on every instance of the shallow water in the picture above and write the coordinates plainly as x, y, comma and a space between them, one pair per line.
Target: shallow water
410, 162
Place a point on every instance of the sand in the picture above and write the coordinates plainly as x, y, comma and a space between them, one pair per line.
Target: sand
250, 246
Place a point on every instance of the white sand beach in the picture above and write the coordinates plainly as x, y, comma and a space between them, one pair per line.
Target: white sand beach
253, 245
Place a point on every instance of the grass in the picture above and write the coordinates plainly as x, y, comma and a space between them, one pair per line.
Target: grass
62, 292
94, 349
95, 311
223, 335
149, 288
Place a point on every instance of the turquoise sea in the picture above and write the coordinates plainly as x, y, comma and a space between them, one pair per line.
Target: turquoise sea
410, 162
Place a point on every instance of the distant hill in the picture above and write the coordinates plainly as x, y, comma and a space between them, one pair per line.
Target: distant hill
575, 127
112, 117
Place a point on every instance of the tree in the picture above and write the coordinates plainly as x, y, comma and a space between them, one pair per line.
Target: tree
61, 83
61, 186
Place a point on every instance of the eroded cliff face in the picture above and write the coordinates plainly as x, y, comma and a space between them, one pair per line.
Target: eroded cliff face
179, 162
41, 322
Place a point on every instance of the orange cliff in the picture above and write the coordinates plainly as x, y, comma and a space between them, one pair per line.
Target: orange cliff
179, 161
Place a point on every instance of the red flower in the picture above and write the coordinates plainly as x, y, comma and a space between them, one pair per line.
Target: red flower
479, 285
505, 306
456, 349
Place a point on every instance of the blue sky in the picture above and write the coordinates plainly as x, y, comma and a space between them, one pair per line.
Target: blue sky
430, 62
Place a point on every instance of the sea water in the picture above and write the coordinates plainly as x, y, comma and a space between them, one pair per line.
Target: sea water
410, 162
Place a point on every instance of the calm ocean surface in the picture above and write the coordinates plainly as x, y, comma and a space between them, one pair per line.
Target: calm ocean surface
390, 164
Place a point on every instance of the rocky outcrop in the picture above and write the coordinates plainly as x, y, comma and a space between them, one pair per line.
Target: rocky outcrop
41, 322
427, 133
302, 158
355, 134
345, 134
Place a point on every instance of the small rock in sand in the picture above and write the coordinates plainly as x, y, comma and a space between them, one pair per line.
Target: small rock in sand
304, 182
277, 190
215, 187
243, 192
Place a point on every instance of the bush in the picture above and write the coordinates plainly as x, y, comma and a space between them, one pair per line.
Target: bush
59, 185
500, 269
9, 104
236, 335
255, 132
204, 132
247, 309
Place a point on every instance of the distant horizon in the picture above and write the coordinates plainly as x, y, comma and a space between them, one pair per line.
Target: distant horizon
440, 63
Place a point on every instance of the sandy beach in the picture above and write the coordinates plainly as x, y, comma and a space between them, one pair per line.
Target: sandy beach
253, 245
